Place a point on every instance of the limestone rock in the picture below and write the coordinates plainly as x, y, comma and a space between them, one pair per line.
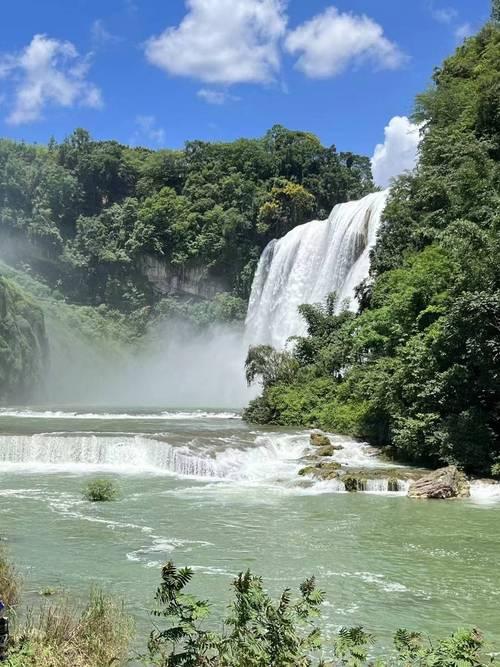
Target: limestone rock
324, 470
442, 484
319, 439
326, 450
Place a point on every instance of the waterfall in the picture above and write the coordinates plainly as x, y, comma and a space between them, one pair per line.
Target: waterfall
307, 264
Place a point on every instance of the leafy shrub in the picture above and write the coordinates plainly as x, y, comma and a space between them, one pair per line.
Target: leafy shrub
261, 632
100, 490
495, 470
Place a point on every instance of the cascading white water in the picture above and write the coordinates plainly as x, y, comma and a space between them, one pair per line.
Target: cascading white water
309, 263
271, 457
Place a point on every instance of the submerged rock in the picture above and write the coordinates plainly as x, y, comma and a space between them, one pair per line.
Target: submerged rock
441, 484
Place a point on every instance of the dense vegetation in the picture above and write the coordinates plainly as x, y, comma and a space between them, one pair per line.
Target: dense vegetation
115, 238
257, 632
22, 342
100, 491
418, 368
85, 214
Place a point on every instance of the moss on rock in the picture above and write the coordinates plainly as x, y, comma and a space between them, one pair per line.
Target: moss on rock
319, 439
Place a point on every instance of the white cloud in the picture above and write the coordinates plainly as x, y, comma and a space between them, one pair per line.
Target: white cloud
47, 72
398, 153
463, 31
148, 131
223, 41
101, 35
332, 41
444, 15
217, 97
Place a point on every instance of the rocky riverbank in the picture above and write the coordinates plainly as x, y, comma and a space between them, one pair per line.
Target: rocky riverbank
418, 483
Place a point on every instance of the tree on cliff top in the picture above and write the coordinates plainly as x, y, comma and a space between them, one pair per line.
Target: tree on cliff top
495, 11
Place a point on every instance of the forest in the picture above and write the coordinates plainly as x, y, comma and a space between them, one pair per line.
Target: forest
417, 369
83, 214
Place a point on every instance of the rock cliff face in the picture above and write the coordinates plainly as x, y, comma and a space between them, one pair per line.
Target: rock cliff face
23, 343
167, 279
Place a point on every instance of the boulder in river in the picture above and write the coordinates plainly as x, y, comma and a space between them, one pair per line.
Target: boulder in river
441, 484
325, 470
319, 439
326, 450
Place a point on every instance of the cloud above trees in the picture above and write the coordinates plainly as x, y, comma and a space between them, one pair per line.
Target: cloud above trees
46, 73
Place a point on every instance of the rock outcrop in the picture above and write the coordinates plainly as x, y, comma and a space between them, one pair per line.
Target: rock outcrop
319, 439
325, 470
441, 484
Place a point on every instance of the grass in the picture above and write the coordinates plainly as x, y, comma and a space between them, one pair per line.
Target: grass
58, 635
100, 490
9, 581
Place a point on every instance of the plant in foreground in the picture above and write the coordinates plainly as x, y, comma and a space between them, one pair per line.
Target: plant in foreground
261, 632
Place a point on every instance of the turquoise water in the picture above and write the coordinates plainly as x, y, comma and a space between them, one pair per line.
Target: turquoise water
205, 490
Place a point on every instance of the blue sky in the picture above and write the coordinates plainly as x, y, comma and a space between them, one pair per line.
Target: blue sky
158, 73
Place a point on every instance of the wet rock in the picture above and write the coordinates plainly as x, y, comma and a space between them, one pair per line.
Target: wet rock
326, 450
358, 479
325, 470
319, 439
441, 484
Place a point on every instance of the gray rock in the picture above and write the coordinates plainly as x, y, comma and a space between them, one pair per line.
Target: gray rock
441, 484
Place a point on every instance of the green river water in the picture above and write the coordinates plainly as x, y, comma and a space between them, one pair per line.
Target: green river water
207, 491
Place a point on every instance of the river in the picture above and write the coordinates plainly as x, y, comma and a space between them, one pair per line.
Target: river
204, 489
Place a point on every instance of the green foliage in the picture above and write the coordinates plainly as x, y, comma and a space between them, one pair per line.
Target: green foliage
495, 11
222, 308
84, 213
462, 648
23, 343
261, 632
258, 632
100, 490
270, 365
418, 368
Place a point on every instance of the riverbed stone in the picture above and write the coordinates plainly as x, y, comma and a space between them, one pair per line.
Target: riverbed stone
325, 470
319, 439
441, 484
326, 450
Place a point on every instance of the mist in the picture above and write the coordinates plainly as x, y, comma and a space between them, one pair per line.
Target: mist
175, 365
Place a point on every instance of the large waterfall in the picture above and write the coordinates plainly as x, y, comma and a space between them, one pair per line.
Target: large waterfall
307, 264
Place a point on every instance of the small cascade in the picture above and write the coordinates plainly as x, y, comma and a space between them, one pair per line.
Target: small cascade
309, 263
386, 485
485, 492
271, 457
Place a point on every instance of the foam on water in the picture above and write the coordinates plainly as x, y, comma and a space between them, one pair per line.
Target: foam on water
271, 457
485, 492
166, 415
223, 464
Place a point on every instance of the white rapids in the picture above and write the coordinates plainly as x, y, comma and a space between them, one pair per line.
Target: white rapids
272, 458
309, 263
